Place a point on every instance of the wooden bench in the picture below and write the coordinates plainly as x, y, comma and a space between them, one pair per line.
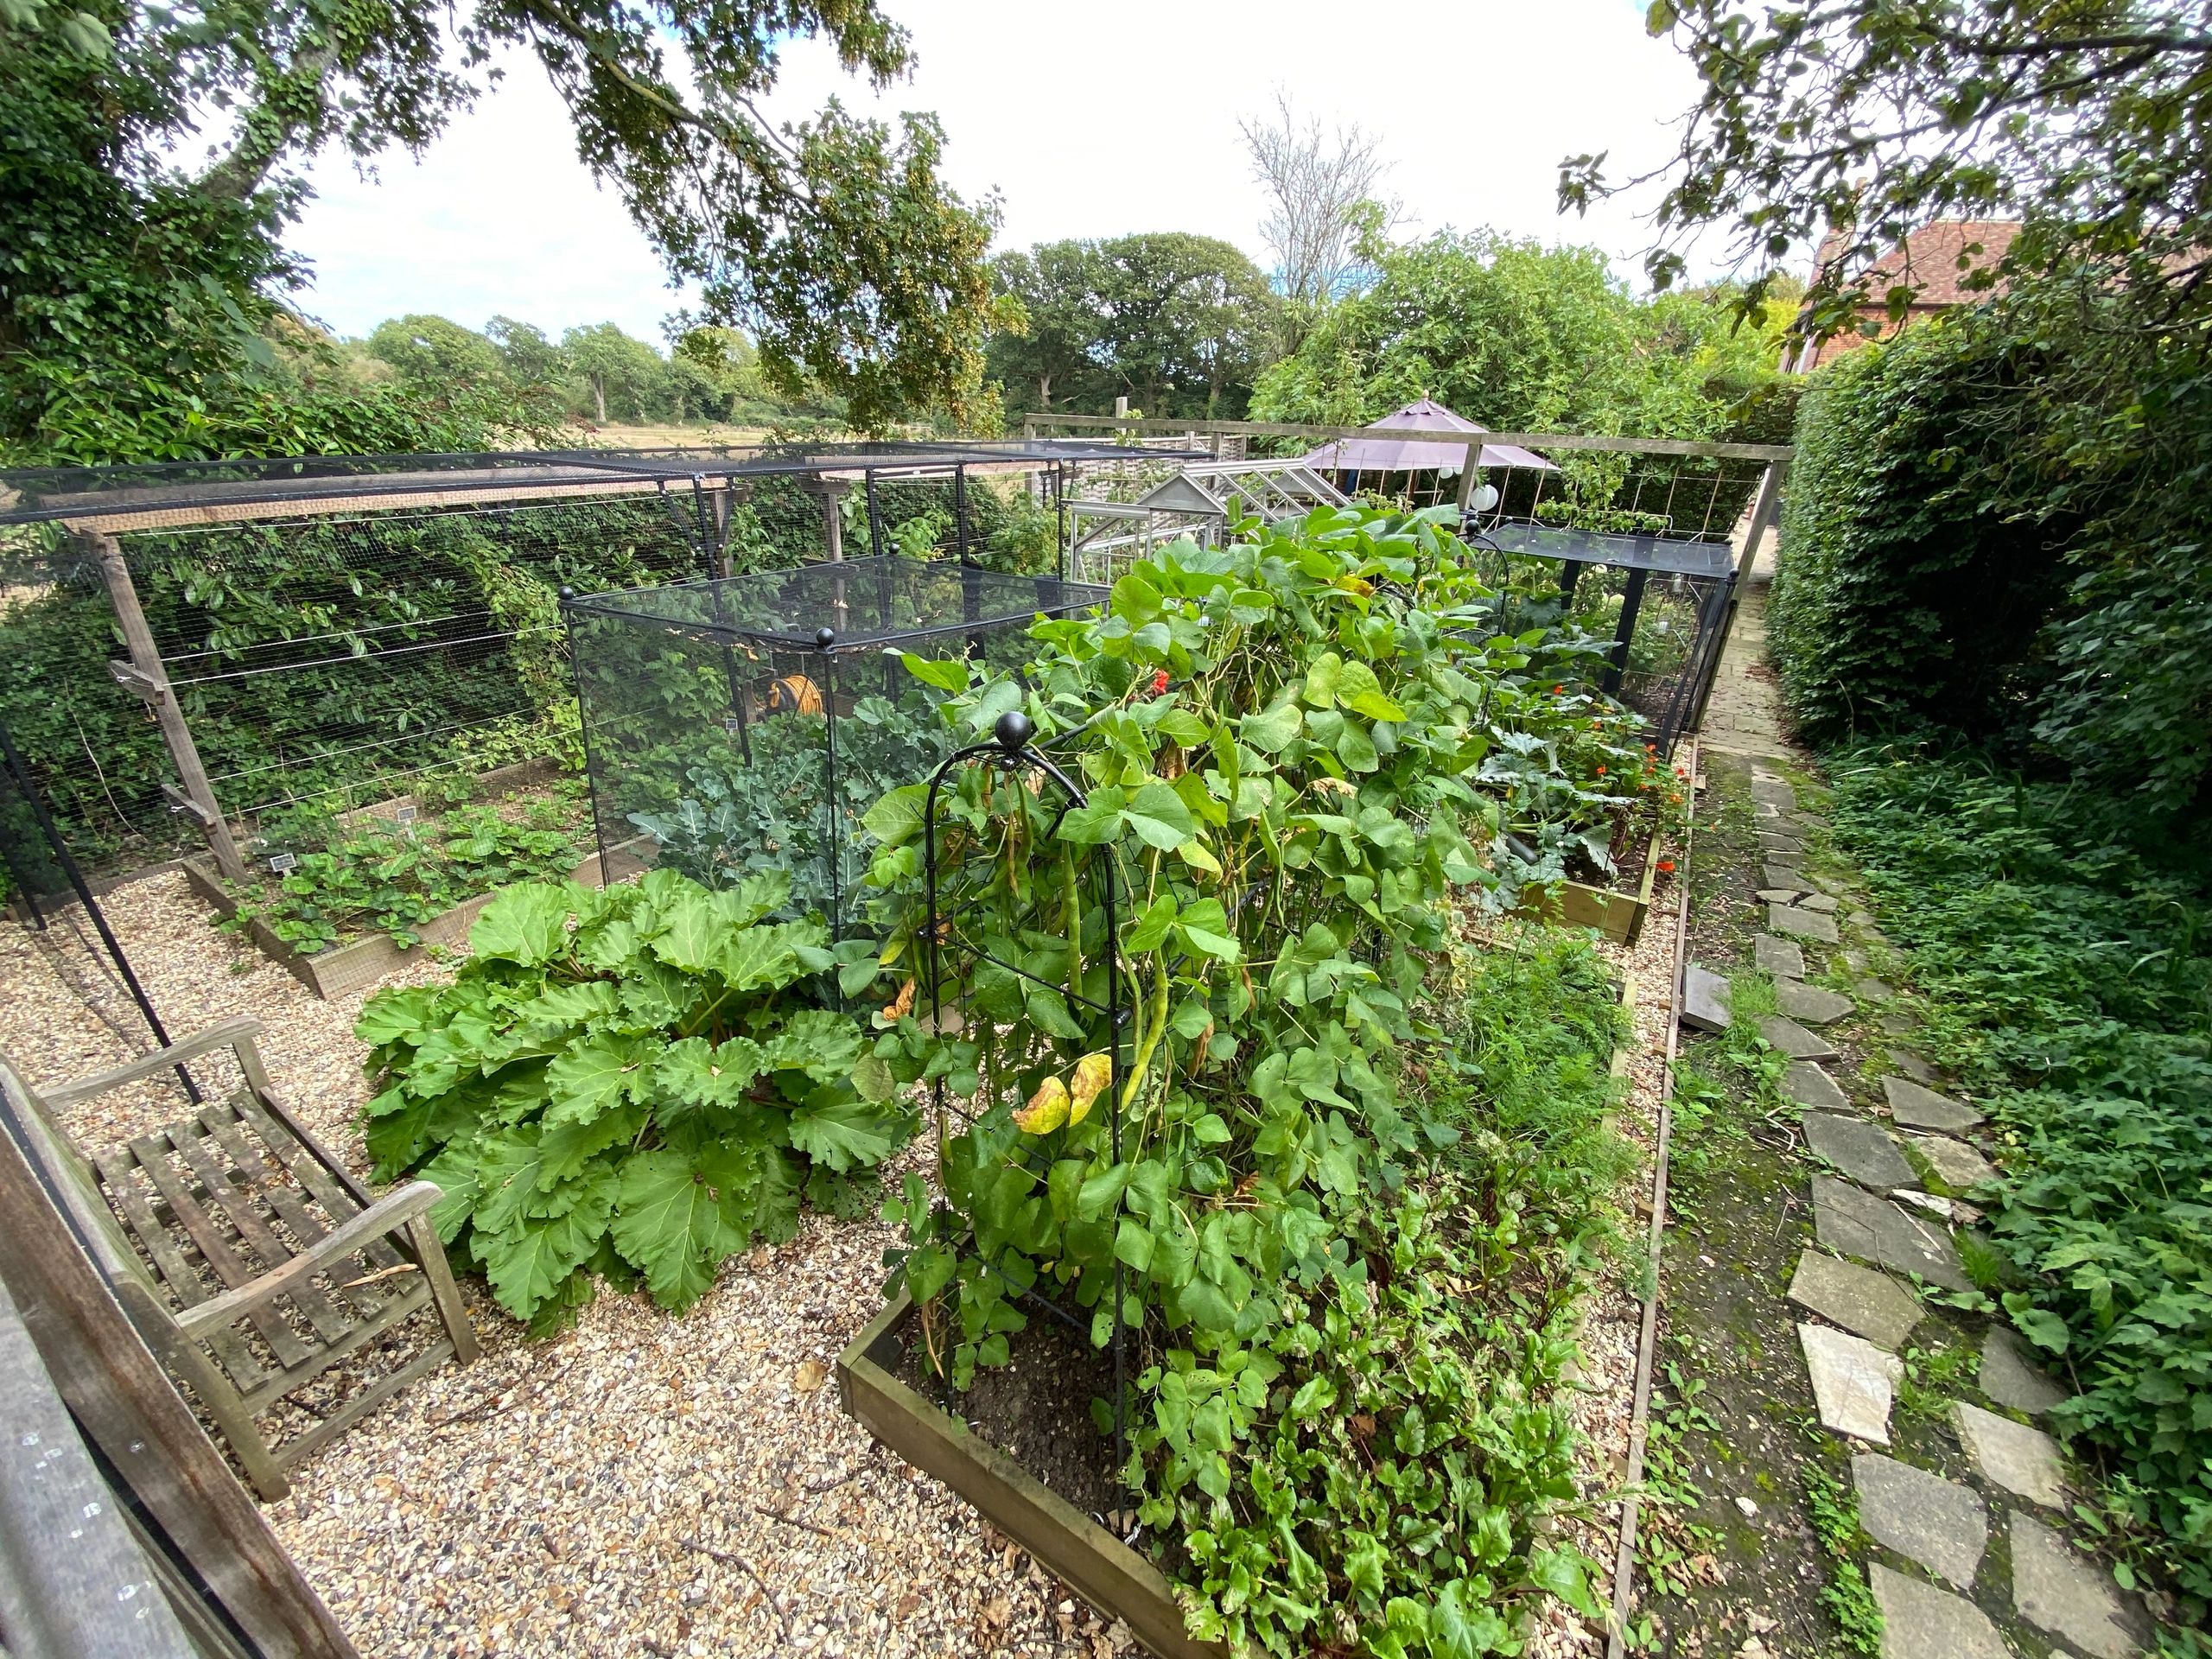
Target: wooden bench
248, 1256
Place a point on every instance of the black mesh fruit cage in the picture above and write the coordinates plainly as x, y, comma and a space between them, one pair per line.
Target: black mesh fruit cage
1660, 601
749, 723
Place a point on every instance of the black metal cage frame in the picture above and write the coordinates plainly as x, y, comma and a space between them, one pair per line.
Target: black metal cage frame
741, 672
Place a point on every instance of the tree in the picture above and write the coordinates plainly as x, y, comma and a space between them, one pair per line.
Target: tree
431, 351
622, 374
133, 283
1519, 337
1176, 323
2091, 118
532, 359
1318, 187
1056, 327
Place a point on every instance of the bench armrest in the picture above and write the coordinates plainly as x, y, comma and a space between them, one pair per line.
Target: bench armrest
234, 1033
388, 1215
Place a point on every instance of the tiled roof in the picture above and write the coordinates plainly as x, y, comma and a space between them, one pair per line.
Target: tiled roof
1930, 259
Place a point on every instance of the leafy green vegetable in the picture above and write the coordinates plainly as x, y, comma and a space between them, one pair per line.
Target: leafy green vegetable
1293, 799
627, 1079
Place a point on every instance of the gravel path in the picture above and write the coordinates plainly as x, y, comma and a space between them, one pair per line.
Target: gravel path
641, 1485
644, 1484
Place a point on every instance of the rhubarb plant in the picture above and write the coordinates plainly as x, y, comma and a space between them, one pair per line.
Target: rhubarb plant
631, 1084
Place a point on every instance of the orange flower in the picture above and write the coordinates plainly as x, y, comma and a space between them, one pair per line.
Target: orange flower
1557, 689
1675, 799
1601, 772
1666, 867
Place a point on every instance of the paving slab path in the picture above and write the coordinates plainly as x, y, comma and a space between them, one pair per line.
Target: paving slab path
1824, 1350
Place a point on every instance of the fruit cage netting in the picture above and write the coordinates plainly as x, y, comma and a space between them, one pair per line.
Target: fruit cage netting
351, 641
752, 723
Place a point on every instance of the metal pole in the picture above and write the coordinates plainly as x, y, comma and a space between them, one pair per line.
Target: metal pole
113, 946
832, 847
147, 677
874, 515
1624, 636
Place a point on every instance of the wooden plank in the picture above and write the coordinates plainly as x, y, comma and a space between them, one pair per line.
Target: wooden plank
237, 1200
218, 1251
334, 1186
138, 640
73, 1584
282, 1382
224, 1034
119, 1171
1075, 1549
295, 1277
117, 1389
290, 1199
1519, 440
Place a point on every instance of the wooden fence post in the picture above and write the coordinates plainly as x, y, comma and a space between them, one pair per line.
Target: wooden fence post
126, 1404
144, 675
1467, 475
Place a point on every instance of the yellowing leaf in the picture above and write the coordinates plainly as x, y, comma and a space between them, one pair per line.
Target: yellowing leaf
1047, 1108
1091, 1075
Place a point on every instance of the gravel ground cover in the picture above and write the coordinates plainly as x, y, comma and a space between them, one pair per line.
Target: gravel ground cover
646, 1484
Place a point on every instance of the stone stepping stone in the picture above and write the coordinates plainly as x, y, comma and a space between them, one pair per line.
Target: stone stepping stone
1897, 1024
1919, 1108
1781, 876
1868, 1303
1705, 999
1805, 924
1853, 1381
1854, 1221
1931, 1522
2056, 1591
1861, 1150
1794, 1040
1875, 991
2023, 1461
1780, 957
1910, 1063
1772, 792
1777, 895
1812, 1006
1928, 1201
1959, 1164
1811, 1087
1819, 901
1780, 846
2011, 1378
1921, 1622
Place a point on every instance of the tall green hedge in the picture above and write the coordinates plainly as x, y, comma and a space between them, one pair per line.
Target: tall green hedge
1900, 596
2001, 523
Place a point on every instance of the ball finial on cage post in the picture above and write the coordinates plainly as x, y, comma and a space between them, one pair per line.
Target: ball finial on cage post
568, 592
1014, 731
824, 638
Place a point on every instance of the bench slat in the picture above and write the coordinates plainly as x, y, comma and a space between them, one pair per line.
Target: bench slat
236, 1194
119, 1170
221, 1255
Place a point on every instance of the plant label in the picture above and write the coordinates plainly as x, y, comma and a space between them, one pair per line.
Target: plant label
284, 862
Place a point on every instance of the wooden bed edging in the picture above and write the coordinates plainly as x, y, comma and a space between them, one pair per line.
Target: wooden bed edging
1618, 916
1068, 1544
347, 967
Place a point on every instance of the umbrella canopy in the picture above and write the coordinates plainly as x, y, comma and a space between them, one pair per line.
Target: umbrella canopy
1410, 454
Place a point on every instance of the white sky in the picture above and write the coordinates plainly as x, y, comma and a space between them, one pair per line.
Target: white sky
1095, 120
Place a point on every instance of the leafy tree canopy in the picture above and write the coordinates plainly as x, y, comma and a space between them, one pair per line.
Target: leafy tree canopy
134, 284
1520, 337
2087, 117
1176, 323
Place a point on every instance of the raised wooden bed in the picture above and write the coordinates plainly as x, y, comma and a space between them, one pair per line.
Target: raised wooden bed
1075, 1549
347, 967
1618, 916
